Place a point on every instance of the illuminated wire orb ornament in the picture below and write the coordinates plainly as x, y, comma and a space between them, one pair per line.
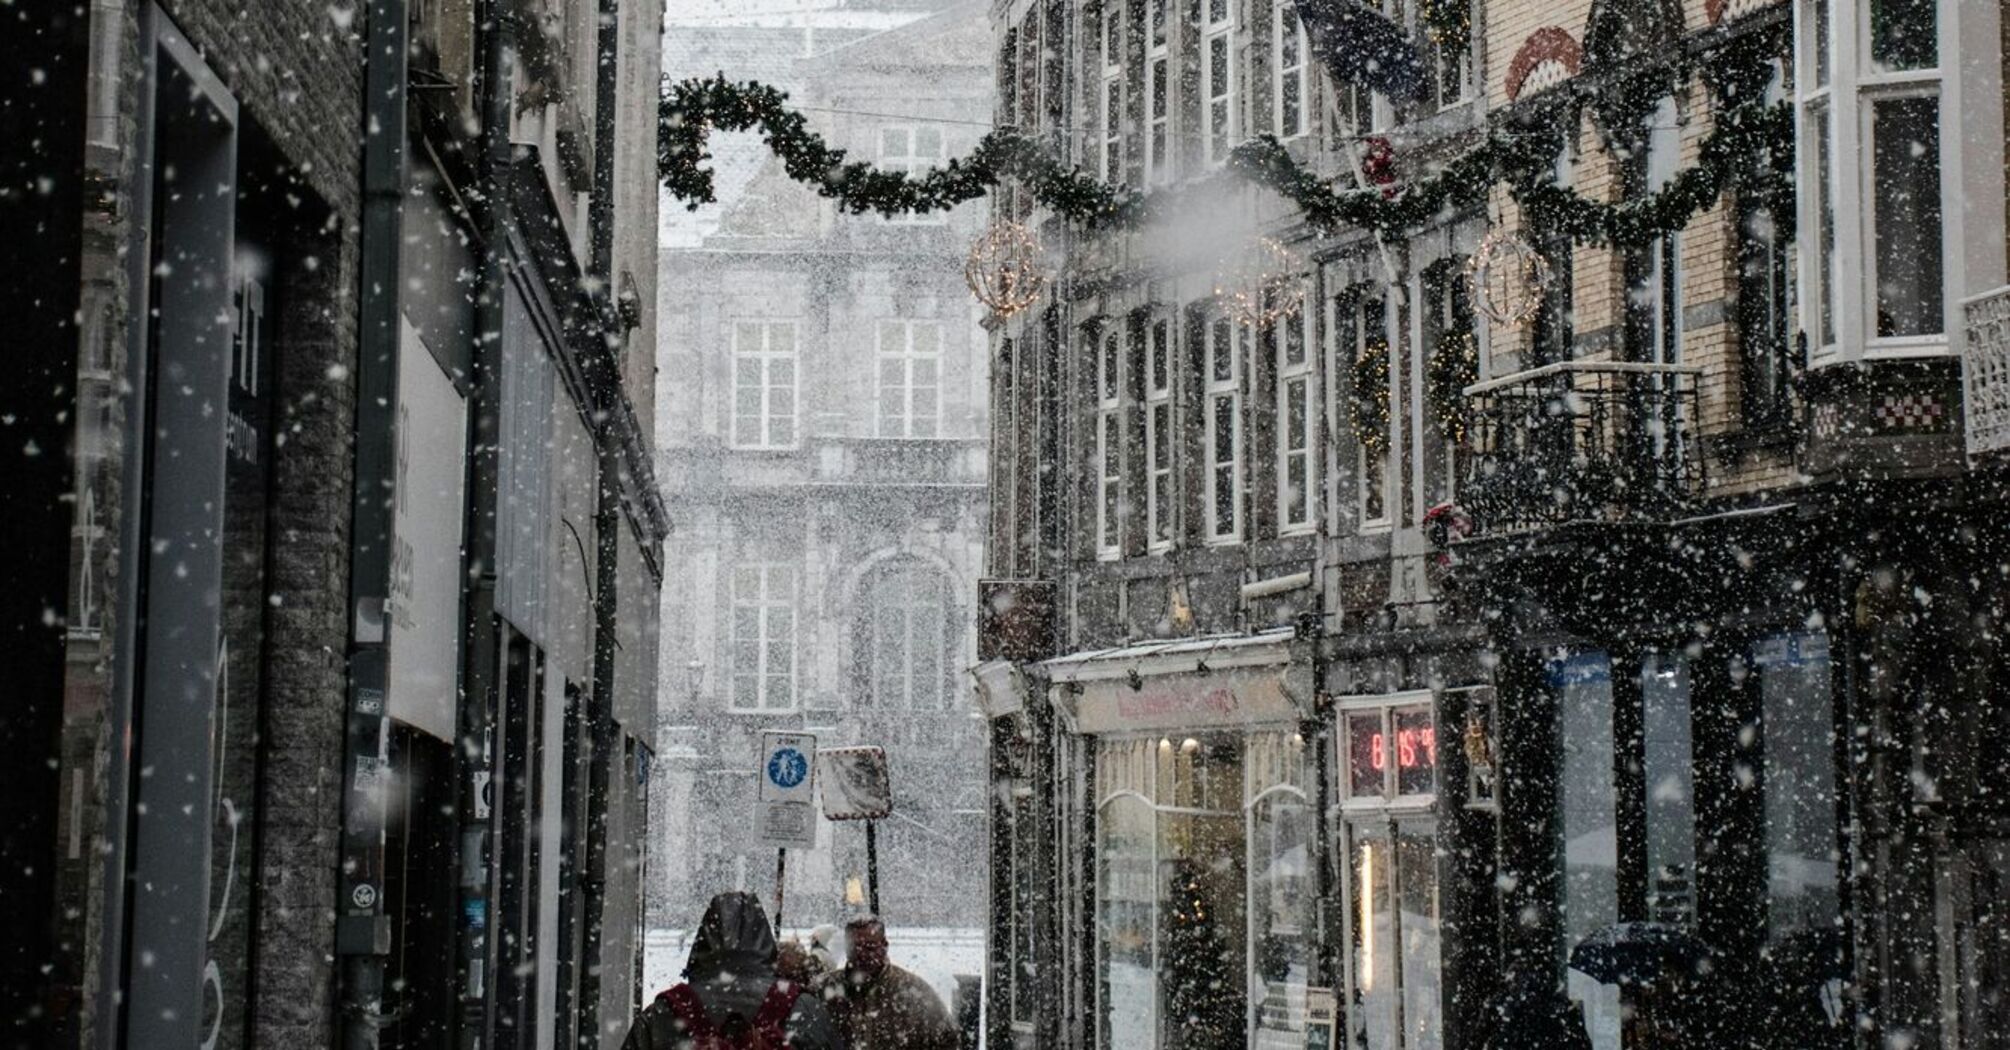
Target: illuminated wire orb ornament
1004, 269
1261, 283
1507, 277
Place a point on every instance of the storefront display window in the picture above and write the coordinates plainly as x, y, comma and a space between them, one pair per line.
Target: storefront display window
1283, 895
1798, 725
1669, 775
1585, 798
1393, 995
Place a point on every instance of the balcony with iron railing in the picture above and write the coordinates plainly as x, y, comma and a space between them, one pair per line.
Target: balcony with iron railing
1581, 441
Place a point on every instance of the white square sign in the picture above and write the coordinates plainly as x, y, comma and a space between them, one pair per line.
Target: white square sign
785, 810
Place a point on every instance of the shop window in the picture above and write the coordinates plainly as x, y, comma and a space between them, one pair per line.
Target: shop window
1586, 801
764, 384
1394, 997
1668, 774
1798, 740
1283, 890
1022, 972
1223, 407
1159, 432
910, 379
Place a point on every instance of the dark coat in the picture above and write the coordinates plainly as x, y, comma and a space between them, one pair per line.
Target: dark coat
894, 1011
732, 966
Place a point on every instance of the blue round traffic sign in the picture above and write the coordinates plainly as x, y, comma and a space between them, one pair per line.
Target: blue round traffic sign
787, 767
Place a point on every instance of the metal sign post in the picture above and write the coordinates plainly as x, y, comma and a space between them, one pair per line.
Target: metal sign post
857, 786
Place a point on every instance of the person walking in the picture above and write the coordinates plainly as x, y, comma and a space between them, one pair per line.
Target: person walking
731, 997
880, 1006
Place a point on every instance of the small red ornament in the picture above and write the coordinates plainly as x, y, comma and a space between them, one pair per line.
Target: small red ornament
1378, 165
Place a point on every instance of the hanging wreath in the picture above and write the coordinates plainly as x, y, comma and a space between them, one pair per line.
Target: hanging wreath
1371, 398
1261, 283
1004, 270
1454, 366
1507, 278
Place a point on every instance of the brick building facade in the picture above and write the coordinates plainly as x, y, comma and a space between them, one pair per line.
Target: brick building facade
1422, 674
267, 693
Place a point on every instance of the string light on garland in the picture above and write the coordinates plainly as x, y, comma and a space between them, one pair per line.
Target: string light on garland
1507, 278
1261, 284
1454, 366
1004, 269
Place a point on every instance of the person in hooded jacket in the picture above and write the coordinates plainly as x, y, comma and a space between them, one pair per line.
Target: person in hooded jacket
732, 995
880, 1006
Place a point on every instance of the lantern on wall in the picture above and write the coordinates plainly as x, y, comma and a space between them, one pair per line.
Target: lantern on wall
1261, 284
1004, 269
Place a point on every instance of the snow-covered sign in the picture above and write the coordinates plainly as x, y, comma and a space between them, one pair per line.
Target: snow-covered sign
426, 542
856, 783
785, 807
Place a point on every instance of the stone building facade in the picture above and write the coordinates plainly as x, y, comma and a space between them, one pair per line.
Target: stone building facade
1423, 647
827, 465
259, 596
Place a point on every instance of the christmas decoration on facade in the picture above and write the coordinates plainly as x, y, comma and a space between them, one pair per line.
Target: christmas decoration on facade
1454, 366
1004, 268
1507, 278
1261, 284
1370, 400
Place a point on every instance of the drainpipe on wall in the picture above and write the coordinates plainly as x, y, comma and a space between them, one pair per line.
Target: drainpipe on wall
607, 523
480, 674
362, 929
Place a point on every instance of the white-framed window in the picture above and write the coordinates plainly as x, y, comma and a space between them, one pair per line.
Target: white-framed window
913, 149
1297, 424
1868, 83
907, 619
1361, 326
1159, 431
1654, 294
910, 379
1109, 351
764, 384
763, 658
1110, 98
1222, 405
1292, 83
1160, 93
1448, 57
1217, 80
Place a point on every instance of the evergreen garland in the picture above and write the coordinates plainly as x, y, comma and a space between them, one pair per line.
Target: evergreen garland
1748, 149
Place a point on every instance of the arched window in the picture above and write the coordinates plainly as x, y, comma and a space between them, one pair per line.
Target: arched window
901, 650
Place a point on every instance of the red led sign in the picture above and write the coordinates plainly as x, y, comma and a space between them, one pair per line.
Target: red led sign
1414, 747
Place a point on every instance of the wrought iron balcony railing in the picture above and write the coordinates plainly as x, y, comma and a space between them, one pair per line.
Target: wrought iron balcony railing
1985, 371
1581, 441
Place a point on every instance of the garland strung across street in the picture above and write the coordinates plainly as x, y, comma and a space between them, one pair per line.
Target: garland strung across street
1747, 149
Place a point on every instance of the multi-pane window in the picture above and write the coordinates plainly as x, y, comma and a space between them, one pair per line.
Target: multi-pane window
1654, 293
1289, 65
908, 615
1159, 438
1217, 78
1361, 326
1297, 423
1765, 302
1446, 55
912, 150
1869, 86
1159, 92
1222, 405
1109, 349
764, 637
1554, 327
764, 384
910, 378
1111, 96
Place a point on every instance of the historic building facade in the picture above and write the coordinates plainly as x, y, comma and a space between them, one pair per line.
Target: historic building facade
827, 461
1401, 646
339, 600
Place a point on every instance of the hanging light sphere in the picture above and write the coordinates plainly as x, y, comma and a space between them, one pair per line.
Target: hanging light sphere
1507, 278
1261, 283
1004, 268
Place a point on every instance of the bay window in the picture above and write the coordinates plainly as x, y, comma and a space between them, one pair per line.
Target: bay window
1222, 405
1869, 88
1159, 436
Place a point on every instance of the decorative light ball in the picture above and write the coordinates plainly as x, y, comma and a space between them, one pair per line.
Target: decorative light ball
1261, 283
1004, 268
1507, 277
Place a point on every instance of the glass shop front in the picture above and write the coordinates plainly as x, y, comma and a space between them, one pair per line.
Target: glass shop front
1387, 835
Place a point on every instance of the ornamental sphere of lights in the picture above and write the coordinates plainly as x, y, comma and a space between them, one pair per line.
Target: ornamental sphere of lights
1004, 268
1507, 277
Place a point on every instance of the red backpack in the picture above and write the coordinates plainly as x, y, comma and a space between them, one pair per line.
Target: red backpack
767, 1031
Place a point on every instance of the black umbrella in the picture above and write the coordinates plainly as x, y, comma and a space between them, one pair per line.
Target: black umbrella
1636, 952
1359, 45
